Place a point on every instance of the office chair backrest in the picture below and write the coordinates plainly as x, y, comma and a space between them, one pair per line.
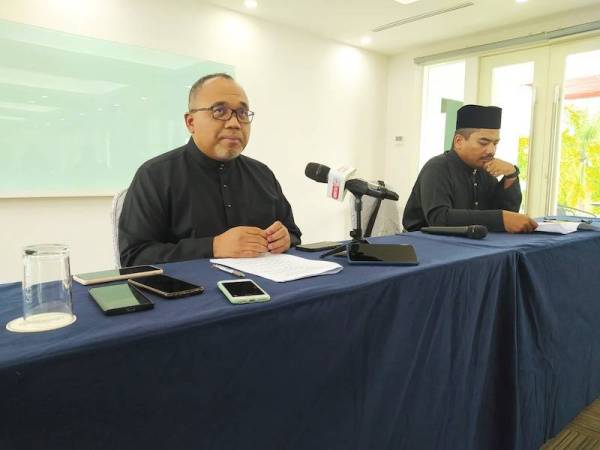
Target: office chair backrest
117, 206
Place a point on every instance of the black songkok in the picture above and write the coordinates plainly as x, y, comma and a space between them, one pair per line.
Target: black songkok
476, 116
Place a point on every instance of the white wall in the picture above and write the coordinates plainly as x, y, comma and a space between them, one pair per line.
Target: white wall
315, 100
405, 91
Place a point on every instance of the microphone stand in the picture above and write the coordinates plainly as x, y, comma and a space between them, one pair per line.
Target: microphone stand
356, 234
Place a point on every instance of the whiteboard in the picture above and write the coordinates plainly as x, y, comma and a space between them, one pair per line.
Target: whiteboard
79, 115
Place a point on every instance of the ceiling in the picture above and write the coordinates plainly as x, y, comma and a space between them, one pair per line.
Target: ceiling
347, 21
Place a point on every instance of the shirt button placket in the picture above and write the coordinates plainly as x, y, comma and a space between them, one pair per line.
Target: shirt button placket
225, 192
475, 189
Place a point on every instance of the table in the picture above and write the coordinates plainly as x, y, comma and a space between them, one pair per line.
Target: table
490, 344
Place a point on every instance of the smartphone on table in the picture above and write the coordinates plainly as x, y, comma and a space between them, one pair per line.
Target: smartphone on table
318, 246
384, 254
166, 286
123, 273
242, 291
119, 299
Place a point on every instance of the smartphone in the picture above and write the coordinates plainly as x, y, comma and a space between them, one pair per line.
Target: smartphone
116, 274
318, 246
167, 286
120, 299
242, 291
390, 254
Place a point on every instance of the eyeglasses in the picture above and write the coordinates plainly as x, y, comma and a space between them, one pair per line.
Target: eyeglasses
222, 112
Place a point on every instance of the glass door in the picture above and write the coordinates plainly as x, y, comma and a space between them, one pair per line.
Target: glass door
575, 155
515, 82
550, 97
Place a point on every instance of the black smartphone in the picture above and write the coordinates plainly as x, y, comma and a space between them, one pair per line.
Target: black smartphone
385, 254
120, 299
318, 246
167, 286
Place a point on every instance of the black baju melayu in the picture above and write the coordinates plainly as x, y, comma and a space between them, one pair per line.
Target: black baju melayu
450, 193
179, 201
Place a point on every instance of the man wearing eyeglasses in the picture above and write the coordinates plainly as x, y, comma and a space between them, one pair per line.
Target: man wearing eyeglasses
205, 199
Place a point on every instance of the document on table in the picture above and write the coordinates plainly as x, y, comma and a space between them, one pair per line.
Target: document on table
280, 268
557, 226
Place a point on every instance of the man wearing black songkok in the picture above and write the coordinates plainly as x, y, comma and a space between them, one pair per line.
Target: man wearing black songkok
461, 187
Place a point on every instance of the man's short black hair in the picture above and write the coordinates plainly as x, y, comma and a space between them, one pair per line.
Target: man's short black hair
464, 132
198, 84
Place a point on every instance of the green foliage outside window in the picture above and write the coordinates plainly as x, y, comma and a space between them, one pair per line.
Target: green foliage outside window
523, 164
579, 184
580, 161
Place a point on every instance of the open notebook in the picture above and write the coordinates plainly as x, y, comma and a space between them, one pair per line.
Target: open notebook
280, 268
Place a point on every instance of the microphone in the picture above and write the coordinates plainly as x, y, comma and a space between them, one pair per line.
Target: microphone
317, 172
320, 174
335, 178
362, 187
468, 231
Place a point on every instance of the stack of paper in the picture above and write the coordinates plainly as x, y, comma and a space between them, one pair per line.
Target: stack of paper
280, 267
557, 226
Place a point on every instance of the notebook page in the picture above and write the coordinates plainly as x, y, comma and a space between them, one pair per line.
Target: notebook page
280, 268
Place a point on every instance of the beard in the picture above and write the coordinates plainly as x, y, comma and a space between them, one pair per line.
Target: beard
227, 153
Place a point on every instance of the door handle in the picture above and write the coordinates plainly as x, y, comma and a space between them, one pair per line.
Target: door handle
531, 140
555, 139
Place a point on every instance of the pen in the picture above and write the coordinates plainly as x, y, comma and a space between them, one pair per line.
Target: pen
237, 273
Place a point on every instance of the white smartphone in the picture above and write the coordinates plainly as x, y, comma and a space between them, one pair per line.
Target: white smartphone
242, 291
123, 273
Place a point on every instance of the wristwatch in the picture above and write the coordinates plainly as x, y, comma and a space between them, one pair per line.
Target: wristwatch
515, 174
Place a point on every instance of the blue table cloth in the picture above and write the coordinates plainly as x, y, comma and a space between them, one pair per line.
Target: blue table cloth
488, 344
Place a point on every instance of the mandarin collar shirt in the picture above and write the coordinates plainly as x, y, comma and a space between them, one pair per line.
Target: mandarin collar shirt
179, 201
450, 193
